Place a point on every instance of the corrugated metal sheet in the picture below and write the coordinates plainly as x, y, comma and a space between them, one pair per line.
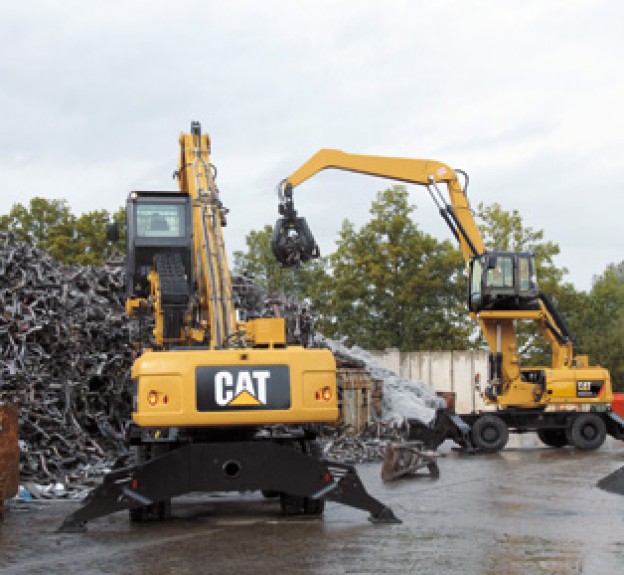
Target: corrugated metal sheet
358, 394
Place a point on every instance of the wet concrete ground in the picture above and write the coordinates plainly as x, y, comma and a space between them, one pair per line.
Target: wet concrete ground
524, 511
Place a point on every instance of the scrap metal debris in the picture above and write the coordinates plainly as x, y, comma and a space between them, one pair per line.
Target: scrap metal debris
66, 357
406, 459
64, 361
373, 445
367, 446
403, 399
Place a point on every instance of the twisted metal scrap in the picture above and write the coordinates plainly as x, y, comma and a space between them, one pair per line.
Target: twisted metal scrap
64, 362
368, 446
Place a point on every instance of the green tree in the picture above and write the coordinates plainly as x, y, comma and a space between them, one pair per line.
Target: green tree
601, 334
617, 269
395, 286
34, 223
90, 243
50, 225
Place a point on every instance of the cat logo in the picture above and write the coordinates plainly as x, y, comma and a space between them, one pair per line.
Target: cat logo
248, 389
584, 385
242, 388
589, 388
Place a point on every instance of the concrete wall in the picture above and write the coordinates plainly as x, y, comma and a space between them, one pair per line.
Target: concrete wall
453, 371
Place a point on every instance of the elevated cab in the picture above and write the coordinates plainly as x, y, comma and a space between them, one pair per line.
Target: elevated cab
158, 223
502, 281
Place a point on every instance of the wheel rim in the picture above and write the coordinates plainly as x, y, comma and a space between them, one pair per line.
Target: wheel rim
589, 432
490, 434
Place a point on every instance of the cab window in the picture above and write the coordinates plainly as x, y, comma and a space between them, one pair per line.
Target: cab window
524, 273
160, 220
501, 275
476, 274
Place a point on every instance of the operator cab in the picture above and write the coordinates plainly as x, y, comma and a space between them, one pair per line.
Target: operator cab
502, 281
159, 224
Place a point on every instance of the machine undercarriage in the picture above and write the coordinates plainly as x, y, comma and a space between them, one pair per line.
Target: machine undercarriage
288, 467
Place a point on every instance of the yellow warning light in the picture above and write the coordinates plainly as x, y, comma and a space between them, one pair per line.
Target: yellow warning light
324, 394
152, 398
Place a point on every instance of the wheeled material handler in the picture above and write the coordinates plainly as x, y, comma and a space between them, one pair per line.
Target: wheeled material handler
566, 402
219, 404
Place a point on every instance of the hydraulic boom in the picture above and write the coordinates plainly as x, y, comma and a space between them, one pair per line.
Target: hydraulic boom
502, 290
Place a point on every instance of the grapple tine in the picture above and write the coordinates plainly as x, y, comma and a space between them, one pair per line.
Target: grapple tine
403, 459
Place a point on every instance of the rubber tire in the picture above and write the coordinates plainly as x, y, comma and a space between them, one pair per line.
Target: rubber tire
160, 510
313, 506
295, 505
553, 437
292, 504
490, 433
588, 431
270, 494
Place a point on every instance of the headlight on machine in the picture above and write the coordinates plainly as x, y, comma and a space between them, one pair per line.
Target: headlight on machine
324, 394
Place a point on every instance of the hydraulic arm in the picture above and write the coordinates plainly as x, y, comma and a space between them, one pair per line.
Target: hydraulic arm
502, 291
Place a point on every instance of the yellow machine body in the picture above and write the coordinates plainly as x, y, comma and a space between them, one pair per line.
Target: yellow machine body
205, 388
568, 380
219, 404
209, 369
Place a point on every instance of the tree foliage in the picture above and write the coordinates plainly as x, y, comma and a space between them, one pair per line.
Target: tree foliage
259, 262
395, 286
387, 284
602, 326
51, 226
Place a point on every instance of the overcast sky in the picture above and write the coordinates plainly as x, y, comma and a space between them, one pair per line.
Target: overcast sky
528, 97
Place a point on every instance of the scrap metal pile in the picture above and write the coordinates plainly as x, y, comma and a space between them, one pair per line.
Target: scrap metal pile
64, 362
65, 359
367, 446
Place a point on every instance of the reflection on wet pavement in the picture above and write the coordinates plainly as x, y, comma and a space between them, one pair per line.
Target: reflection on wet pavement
524, 511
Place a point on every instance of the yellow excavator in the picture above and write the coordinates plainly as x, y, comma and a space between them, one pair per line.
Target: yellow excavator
566, 403
218, 404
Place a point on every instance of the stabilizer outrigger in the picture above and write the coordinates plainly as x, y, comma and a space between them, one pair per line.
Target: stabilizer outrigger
235, 466
614, 482
446, 424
